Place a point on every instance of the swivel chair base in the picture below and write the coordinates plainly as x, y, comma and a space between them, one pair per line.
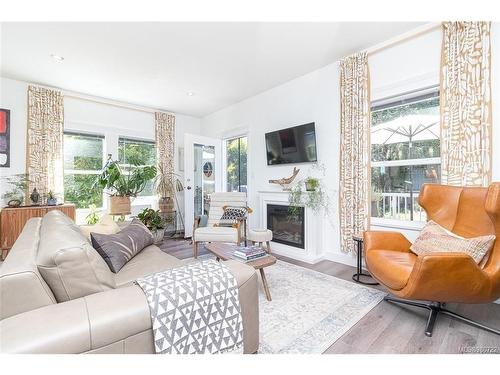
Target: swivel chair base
436, 308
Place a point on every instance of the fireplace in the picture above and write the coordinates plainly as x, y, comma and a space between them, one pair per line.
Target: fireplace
287, 227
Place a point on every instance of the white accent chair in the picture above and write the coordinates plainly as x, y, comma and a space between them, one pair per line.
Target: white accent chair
206, 228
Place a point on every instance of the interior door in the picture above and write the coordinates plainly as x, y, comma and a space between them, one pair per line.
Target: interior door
202, 176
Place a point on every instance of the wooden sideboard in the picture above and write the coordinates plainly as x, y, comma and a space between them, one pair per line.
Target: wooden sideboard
12, 221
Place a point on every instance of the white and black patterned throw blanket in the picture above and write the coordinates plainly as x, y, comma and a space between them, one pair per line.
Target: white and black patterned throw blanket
194, 309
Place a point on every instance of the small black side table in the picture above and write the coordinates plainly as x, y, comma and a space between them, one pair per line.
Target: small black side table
358, 239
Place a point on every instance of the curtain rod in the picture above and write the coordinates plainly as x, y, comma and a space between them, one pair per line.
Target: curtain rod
99, 100
415, 33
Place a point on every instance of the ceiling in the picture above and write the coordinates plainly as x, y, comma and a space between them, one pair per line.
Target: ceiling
157, 64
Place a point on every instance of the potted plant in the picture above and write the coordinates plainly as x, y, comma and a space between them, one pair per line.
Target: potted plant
311, 183
164, 189
314, 195
19, 186
123, 182
51, 199
155, 223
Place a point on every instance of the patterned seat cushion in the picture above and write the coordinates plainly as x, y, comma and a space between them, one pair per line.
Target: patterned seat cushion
118, 249
434, 238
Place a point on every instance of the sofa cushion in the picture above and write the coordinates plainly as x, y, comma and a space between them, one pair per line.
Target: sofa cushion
67, 261
148, 261
106, 225
117, 249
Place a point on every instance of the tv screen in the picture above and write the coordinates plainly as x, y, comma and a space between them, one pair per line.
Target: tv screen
292, 145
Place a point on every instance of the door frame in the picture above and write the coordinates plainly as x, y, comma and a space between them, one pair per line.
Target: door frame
189, 141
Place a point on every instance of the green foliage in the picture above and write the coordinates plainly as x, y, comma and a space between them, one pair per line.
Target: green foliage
82, 153
152, 219
399, 151
79, 189
115, 181
19, 186
236, 150
317, 199
424, 107
93, 217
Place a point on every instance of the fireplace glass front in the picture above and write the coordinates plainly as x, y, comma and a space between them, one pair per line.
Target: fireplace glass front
287, 227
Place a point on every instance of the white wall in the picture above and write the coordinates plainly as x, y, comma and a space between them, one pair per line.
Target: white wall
315, 97
85, 116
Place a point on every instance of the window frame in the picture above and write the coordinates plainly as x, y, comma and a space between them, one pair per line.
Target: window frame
224, 160
392, 101
87, 172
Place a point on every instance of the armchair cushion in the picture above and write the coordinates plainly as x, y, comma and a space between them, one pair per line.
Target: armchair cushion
434, 238
215, 234
392, 268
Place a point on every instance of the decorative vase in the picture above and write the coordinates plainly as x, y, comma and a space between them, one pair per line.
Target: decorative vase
51, 201
119, 205
35, 197
158, 235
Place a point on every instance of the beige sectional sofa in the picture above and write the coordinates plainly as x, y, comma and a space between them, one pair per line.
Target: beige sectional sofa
57, 295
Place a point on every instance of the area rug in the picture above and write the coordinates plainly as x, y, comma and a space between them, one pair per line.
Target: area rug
309, 310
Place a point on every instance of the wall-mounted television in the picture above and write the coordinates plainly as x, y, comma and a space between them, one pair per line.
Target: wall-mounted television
292, 145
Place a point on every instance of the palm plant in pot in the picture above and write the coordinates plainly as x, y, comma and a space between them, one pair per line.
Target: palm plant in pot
123, 182
155, 223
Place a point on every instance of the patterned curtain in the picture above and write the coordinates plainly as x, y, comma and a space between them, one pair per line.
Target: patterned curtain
44, 142
354, 148
165, 141
466, 104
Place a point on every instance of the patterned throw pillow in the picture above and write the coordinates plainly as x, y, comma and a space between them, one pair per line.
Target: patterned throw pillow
117, 249
434, 238
232, 215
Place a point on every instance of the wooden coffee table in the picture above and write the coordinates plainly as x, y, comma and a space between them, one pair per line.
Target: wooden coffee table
225, 251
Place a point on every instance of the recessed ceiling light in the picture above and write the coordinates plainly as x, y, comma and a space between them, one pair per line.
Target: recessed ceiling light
57, 58
190, 93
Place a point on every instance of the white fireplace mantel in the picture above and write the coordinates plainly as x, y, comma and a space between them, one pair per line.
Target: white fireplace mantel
312, 252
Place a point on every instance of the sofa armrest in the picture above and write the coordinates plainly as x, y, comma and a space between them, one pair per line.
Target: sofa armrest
113, 321
382, 240
80, 325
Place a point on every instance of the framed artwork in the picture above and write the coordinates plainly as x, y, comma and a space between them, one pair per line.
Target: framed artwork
4, 138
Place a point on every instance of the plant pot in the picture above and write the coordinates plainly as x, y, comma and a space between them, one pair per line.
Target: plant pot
158, 235
119, 205
166, 204
310, 186
51, 202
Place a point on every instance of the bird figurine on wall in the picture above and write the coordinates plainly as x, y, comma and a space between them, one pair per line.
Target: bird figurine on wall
286, 181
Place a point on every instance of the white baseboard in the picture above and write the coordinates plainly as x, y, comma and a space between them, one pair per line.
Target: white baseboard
347, 259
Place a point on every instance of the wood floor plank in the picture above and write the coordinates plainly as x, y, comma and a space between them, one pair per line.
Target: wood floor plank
388, 328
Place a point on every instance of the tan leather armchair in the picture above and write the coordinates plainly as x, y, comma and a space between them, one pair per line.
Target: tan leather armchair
442, 277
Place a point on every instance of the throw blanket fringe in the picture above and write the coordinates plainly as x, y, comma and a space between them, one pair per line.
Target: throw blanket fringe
194, 309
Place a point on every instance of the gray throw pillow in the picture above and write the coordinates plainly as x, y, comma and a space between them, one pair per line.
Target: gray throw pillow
117, 249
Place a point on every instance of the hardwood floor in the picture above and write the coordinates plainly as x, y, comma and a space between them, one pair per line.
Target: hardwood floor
389, 328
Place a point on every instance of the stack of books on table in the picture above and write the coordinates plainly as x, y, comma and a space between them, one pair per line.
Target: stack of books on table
249, 253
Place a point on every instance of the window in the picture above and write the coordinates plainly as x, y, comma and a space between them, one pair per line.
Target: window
405, 151
236, 164
83, 160
137, 152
